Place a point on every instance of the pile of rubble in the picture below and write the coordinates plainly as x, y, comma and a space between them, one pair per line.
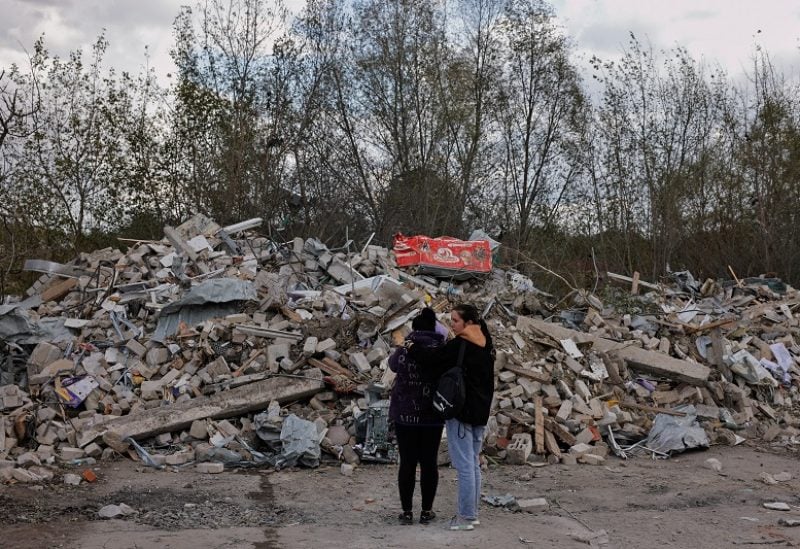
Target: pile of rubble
217, 346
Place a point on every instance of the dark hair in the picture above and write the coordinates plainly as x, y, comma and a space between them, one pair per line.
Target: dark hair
425, 321
469, 313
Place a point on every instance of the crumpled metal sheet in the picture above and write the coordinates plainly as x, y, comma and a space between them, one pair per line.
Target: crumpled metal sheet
209, 299
50, 267
218, 290
298, 442
17, 326
673, 434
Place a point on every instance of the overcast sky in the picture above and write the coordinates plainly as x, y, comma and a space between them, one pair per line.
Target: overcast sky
724, 31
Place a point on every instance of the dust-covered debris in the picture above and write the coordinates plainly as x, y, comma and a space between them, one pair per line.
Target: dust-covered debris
167, 352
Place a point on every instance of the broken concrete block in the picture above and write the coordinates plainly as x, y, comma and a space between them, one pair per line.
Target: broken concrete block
591, 459
310, 346
325, 345
199, 430
151, 390
275, 353
71, 479
113, 511
136, 348
376, 355
506, 376
349, 455
585, 436
27, 459
532, 505
164, 439
347, 469
23, 475
569, 459
210, 468
180, 458
564, 411
361, 363
777, 506
714, 464
157, 356
580, 449
43, 473
68, 453
93, 450
43, 354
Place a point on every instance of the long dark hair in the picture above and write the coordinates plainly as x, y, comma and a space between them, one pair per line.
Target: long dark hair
469, 313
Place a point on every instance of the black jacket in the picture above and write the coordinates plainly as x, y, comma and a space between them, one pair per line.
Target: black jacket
478, 367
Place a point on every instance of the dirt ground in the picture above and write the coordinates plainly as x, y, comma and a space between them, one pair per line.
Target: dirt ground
638, 503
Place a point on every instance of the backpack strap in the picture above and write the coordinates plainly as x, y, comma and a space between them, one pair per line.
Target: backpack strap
460, 360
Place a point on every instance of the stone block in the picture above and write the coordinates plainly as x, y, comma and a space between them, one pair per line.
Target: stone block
360, 362
27, 459
71, 479
68, 453
210, 468
325, 345
580, 449
585, 436
275, 353
93, 450
23, 475
136, 348
591, 459
199, 430
532, 505
506, 376
310, 346
151, 390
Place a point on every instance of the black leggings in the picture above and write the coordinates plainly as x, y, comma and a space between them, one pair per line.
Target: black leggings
418, 444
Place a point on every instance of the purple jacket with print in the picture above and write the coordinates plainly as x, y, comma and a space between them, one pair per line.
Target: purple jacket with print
412, 395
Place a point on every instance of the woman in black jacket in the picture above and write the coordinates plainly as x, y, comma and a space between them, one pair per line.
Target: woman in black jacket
417, 426
465, 432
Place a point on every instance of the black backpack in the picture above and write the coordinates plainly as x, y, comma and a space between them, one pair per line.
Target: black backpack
451, 391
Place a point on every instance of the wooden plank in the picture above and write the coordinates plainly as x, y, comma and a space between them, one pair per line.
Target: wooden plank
629, 280
330, 369
525, 372
230, 403
692, 329
653, 409
551, 444
560, 432
538, 424
635, 283
258, 331
183, 248
640, 359
519, 416
59, 290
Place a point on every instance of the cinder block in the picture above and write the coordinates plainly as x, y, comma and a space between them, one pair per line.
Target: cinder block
519, 448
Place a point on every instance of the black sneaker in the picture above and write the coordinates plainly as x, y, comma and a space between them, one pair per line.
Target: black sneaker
406, 517
426, 516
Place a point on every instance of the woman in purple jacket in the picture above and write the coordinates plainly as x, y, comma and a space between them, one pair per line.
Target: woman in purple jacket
416, 424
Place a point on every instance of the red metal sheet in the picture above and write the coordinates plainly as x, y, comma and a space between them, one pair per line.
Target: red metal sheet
450, 254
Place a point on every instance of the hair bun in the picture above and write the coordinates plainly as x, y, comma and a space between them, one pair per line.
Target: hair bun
428, 314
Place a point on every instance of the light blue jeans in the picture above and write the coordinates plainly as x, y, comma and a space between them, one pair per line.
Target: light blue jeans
464, 444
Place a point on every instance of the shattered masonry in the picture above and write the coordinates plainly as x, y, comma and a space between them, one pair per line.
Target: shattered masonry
217, 346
